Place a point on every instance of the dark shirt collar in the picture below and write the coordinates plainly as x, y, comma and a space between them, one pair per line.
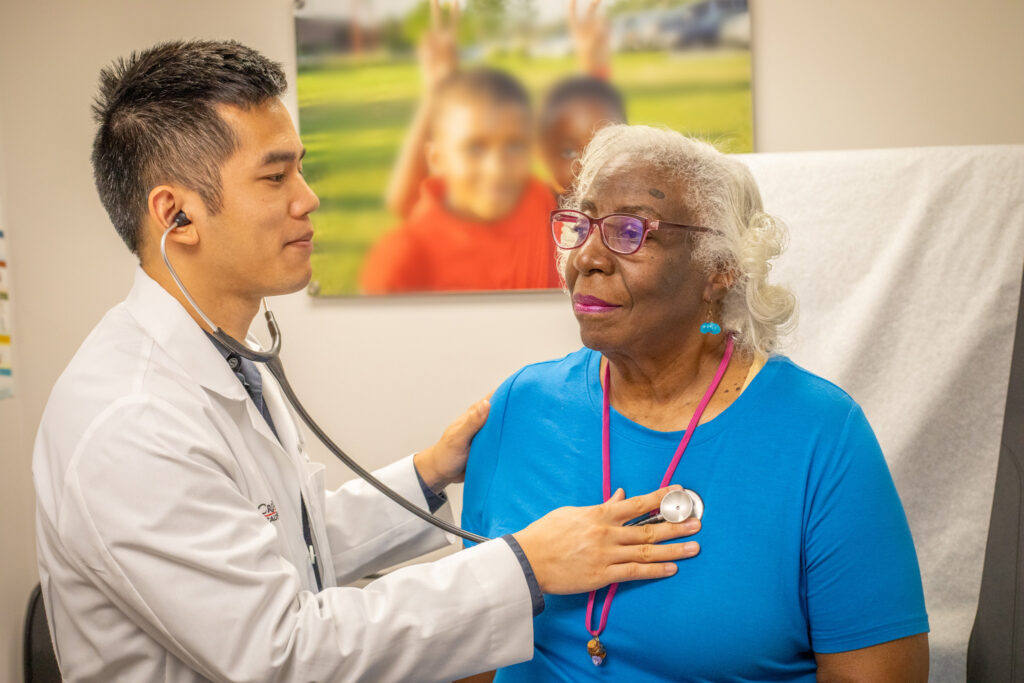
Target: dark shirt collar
248, 374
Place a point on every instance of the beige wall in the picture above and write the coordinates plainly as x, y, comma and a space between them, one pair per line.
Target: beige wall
17, 551
846, 73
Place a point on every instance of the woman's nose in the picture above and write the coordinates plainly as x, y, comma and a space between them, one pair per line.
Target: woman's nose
593, 256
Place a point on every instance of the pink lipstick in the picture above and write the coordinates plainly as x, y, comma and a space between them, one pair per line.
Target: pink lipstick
584, 303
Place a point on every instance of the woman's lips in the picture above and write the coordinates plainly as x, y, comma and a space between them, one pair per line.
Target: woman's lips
584, 303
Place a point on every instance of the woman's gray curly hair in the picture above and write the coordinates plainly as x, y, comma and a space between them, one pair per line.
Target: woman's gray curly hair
721, 193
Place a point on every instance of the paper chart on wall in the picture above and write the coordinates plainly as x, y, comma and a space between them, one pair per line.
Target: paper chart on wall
6, 380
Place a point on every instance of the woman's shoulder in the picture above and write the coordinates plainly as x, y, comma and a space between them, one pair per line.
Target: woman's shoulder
551, 377
798, 406
804, 391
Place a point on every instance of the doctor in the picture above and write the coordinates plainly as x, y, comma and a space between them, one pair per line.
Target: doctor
183, 534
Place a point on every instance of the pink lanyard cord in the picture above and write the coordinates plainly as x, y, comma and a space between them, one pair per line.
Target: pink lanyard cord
606, 464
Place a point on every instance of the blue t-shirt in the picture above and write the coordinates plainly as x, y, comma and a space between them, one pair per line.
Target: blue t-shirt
804, 547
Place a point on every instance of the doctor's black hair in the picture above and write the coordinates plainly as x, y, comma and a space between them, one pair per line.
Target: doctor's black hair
158, 122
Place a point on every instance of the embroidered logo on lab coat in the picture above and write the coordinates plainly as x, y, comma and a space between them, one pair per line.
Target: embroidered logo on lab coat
268, 510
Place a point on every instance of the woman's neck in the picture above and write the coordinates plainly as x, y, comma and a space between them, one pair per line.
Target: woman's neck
661, 390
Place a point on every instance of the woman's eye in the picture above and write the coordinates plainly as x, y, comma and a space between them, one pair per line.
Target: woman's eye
570, 154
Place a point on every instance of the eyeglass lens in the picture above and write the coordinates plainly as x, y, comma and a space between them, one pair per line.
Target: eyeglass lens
620, 233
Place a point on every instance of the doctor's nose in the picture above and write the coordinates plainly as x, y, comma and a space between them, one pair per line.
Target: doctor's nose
307, 202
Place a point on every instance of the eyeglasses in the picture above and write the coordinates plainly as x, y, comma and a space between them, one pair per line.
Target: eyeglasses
623, 233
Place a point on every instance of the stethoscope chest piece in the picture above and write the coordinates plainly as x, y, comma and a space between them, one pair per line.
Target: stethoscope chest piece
677, 506
698, 504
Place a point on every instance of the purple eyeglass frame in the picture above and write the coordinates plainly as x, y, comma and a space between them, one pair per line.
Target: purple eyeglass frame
648, 224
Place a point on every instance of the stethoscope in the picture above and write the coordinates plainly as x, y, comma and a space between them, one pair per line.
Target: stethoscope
676, 506
671, 505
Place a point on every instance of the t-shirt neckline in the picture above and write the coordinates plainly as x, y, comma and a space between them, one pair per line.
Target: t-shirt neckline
622, 426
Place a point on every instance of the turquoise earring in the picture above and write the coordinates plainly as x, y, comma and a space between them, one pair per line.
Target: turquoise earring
710, 327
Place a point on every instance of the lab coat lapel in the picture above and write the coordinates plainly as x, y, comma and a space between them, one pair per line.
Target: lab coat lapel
284, 421
164, 319
174, 330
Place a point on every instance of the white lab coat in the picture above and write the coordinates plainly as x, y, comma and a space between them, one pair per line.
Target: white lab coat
170, 542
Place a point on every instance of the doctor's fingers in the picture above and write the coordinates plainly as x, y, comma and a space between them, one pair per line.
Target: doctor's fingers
648, 553
639, 571
621, 511
656, 533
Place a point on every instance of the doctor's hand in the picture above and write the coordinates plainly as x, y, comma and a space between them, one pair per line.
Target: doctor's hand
580, 549
445, 462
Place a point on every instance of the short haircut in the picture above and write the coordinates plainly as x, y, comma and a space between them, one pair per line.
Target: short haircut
583, 88
493, 86
158, 122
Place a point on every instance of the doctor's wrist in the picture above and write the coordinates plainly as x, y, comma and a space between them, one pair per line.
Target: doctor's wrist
429, 474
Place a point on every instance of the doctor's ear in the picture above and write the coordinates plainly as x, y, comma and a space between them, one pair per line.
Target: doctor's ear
165, 209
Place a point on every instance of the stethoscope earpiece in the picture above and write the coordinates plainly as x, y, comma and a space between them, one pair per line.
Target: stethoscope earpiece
180, 220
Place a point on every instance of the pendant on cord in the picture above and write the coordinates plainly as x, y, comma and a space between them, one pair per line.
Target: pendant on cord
596, 651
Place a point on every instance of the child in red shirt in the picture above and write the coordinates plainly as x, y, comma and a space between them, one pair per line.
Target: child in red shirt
482, 221
437, 250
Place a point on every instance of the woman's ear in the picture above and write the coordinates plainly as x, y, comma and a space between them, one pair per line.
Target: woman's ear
163, 206
718, 284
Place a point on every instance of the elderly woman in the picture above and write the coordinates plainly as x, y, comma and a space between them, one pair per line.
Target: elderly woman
807, 569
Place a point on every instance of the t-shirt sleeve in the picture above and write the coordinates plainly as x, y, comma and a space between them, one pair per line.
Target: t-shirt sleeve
393, 264
863, 584
482, 464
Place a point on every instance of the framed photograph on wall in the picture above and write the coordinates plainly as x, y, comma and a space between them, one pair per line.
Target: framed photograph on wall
440, 135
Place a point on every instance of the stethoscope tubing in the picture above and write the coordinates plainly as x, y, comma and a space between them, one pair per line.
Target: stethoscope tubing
271, 358
276, 369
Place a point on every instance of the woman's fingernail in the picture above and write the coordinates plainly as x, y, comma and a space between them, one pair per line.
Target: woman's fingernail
691, 547
670, 569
